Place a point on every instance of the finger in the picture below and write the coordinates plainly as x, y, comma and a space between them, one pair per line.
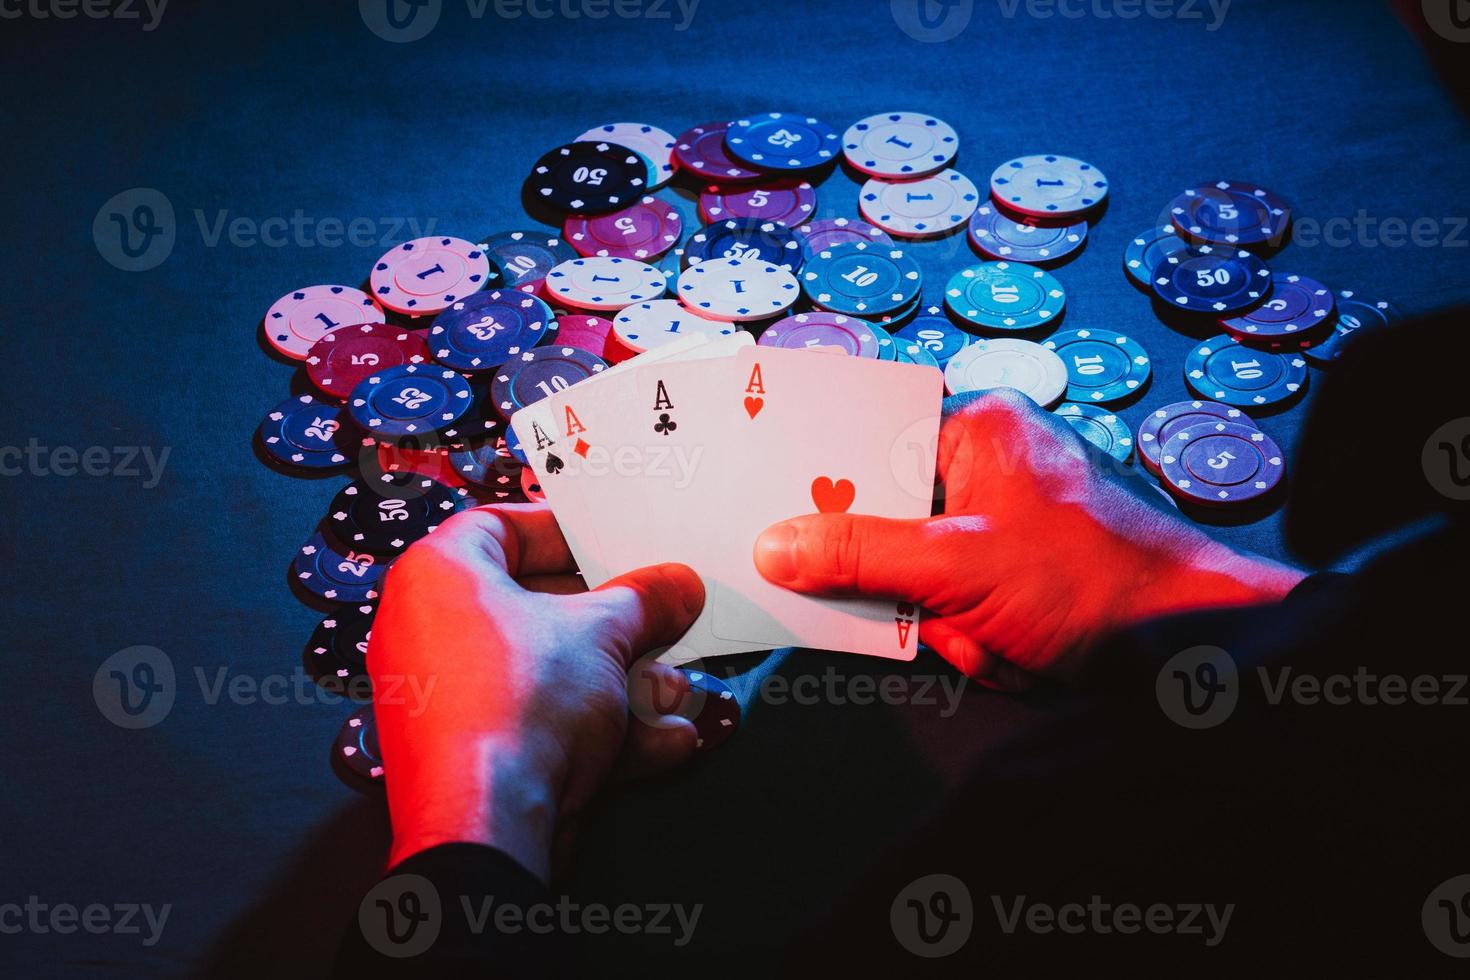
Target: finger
554, 584
646, 608
523, 539
847, 554
971, 659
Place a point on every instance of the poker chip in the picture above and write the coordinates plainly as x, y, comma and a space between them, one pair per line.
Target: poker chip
307, 434
902, 145
1101, 428
337, 576
862, 278
296, 321
1220, 462
1148, 250
656, 146
525, 257
1161, 425
487, 463
540, 373
911, 353
701, 151
589, 177
410, 400
921, 208
737, 289
482, 332
933, 331
427, 274
429, 458
746, 238
604, 283
531, 486
821, 235
644, 326
1048, 186
1231, 213
593, 334
1223, 370
336, 654
782, 141
887, 346
1101, 366
1297, 310
998, 236
643, 231
670, 266
343, 357
789, 201
716, 710
825, 332
387, 513
357, 745
1005, 296
1008, 363
1211, 279
1354, 313
897, 318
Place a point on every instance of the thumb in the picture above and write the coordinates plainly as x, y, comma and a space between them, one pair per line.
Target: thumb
648, 607
850, 554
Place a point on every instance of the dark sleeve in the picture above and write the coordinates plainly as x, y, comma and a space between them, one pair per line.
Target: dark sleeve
456, 910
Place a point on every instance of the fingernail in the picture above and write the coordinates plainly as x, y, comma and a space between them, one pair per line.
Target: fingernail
691, 594
775, 553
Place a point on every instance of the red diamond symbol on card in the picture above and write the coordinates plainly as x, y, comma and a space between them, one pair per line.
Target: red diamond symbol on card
581, 447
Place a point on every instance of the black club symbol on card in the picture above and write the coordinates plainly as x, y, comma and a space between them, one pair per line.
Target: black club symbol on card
665, 425
553, 464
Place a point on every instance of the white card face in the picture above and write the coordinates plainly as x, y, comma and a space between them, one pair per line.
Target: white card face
822, 432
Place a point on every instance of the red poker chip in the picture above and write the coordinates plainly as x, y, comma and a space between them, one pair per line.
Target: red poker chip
531, 485
593, 334
347, 355
644, 231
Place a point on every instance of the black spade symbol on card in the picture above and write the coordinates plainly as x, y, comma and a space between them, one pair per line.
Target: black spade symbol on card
553, 464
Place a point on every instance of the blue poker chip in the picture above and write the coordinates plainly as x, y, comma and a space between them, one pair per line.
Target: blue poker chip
1148, 250
1231, 213
410, 400
998, 236
862, 279
307, 434
514, 447
1005, 296
540, 373
483, 331
670, 266
908, 352
887, 346
934, 331
1354, 313
1101, 428
1222, 369
783, 142
338, 576
1101, 366
745, 238
523, 258
1212, 279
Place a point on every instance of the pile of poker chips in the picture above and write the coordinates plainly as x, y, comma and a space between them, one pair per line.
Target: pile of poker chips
416, 371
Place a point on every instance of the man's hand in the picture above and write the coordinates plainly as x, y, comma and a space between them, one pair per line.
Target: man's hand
501, 684
1035, 557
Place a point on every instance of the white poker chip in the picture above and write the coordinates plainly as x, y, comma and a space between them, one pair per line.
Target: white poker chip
900, 144
920, 208
644, 326
426, 275
737, 289
1003, 362
1047, 186
602, 282
656, 146
303, 316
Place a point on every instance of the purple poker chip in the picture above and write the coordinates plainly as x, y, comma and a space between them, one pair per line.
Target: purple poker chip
998, 236
818, 236
1298, 310
1161, 425
829, 333
791, 201
1221, 463
701, 151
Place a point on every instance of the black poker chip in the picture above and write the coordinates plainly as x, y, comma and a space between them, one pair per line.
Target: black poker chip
337, 652
356, 746
718, 711
388, 512
589, 177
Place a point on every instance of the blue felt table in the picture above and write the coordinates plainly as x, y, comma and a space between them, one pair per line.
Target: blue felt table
263, 125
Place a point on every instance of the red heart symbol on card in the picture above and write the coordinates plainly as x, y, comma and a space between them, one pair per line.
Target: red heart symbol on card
753, 406
832, 498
